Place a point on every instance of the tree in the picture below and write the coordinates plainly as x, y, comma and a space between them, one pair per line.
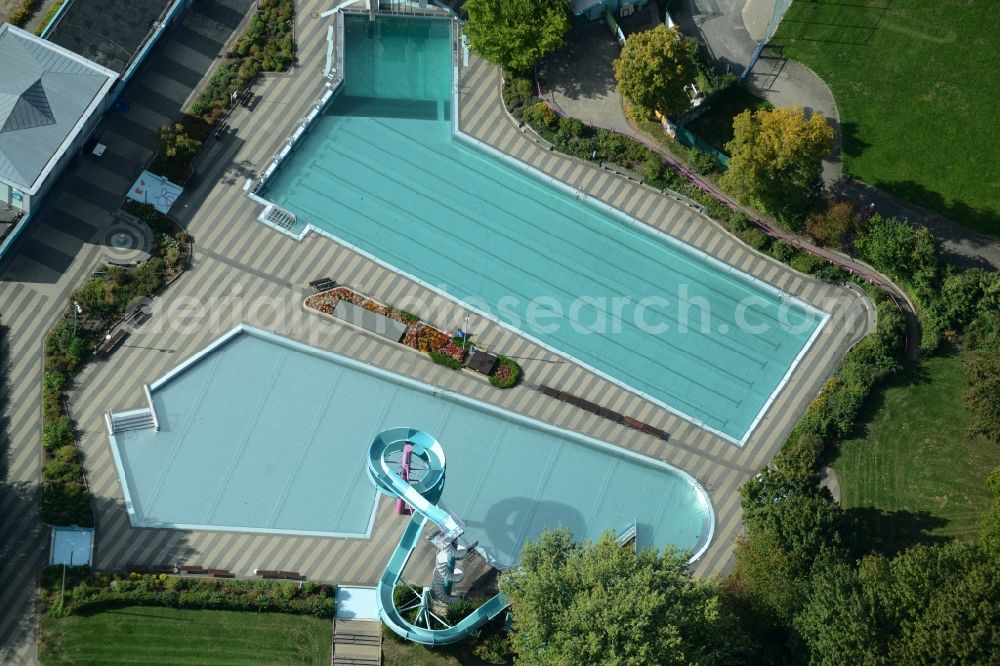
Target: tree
178, 143
989, 523
776, 158
602, 604
515, 34
831, 226
653, 69
928, 605
983, 395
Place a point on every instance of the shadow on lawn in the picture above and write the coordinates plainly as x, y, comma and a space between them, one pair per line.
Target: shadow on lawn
831, 23
872, 530
981, 219
851, 144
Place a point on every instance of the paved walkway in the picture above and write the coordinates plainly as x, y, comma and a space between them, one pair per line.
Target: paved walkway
262, 275
720, 24
58, 251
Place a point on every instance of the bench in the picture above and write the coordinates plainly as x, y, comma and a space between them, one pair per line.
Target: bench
111, 342
192, 569
281, 575
220, 573
621, 171
322, 284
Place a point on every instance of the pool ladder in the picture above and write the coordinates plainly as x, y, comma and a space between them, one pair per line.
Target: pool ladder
280, 217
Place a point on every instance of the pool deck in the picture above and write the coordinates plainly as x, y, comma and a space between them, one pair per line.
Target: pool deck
235, 254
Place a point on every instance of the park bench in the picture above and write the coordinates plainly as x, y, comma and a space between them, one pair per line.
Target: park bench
111, 342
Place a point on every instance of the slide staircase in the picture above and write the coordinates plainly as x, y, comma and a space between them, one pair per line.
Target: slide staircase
422, 492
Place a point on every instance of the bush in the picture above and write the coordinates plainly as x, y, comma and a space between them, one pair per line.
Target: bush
703, 162
783, 251
541, 113
494, 648
506, 373
447, 360
57, 433
808, 263
458, 610
266, 46
23, 12
94, 591
755, 238
67, 503
832, 226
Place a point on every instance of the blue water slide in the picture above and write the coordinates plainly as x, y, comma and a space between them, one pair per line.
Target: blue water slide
422, 494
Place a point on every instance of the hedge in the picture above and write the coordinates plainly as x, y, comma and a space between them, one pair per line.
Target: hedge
65, 498
267, 46
23, 12
444, 359
88, 591
505, 378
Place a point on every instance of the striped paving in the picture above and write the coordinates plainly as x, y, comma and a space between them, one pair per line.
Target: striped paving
243, 271
61, 248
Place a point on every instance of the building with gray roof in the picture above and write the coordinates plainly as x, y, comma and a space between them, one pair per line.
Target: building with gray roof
51, 99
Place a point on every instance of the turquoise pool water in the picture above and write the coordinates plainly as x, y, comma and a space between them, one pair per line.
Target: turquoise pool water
264, 434
382, 171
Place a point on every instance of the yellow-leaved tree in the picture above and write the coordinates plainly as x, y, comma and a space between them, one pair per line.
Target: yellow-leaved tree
653, 69
776, 158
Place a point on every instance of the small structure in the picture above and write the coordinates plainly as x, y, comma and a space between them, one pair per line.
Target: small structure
595, 10
51, 99
72, 546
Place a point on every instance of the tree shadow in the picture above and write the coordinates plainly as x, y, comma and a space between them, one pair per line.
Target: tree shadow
872, 530
581, 69
982, 219
851, 144
824, 22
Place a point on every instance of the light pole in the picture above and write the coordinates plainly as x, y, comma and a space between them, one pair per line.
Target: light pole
77, 311
465, 334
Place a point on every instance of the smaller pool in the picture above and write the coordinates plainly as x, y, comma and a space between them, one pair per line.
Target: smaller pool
262, 434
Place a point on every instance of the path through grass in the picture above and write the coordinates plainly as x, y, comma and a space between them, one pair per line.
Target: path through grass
915, 456
147, 635
916, 87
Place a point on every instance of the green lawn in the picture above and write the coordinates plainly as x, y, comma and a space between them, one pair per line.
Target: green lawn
146, 635
916, 87
716, 125
915, 459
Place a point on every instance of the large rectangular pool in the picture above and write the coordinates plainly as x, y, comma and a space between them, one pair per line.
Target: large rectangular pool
381, 170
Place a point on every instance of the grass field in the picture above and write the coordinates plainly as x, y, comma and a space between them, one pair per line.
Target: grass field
916, 87
145, 635
915, 459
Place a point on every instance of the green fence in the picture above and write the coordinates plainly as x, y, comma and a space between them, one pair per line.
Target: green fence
692, 140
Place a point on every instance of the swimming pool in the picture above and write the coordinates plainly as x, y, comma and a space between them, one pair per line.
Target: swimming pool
262, 434
381, 171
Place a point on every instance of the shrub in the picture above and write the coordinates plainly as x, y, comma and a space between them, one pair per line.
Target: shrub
832, 226
494, 648
755, 238
23, 12
66, 503
703, 162
506, 373
542, 113
57, 433
458, 610
445, 359
783, 251
93, 591
808, 263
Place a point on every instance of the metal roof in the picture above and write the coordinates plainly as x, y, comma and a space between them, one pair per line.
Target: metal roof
45, 94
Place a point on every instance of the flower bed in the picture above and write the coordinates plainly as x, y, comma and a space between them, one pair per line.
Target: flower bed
506, 373
443, 348
419, 336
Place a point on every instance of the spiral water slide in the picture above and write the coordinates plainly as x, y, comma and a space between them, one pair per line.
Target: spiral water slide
391, 450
